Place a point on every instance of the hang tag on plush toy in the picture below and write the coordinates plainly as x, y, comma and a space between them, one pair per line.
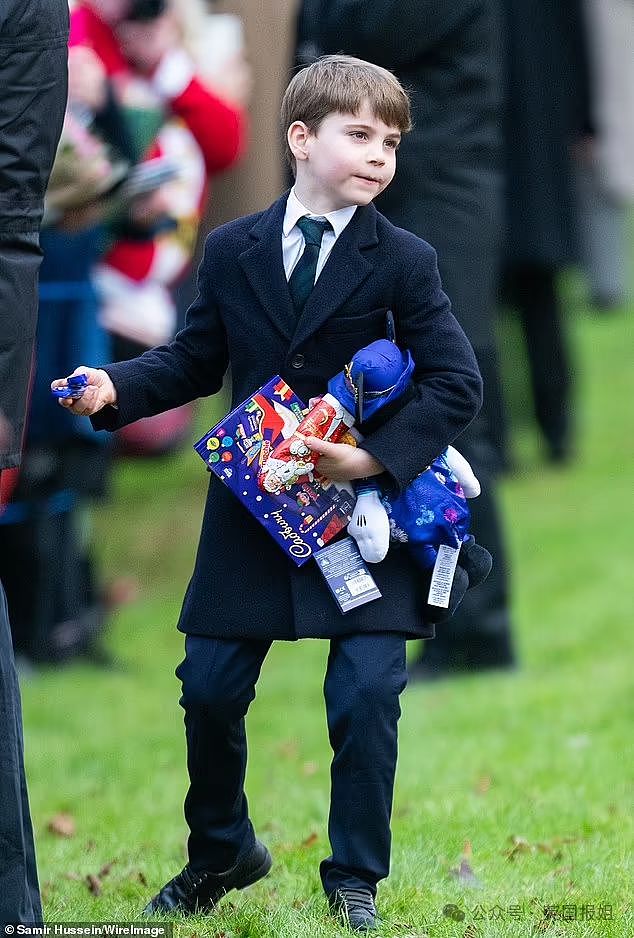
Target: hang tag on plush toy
346, 574
442, 576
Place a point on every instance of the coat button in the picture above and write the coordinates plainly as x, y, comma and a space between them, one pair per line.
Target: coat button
298, 360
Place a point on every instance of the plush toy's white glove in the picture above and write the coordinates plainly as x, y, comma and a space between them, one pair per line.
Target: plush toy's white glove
370, 525
463, 472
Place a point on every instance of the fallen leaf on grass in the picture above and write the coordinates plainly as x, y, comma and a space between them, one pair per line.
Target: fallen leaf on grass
289, 748
520, 845
47, 888
121, 591
106, 869
93, 883
310, 840
550, 847
483, 784
63, 825
141, 878
403, 811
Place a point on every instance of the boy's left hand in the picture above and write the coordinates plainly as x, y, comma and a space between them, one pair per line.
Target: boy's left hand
341, 462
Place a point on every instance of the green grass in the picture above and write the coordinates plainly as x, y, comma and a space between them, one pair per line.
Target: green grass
543, 754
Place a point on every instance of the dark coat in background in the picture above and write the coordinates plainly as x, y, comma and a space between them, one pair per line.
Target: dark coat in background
547, 111
447, 186
32, 101
243, 586
448, 190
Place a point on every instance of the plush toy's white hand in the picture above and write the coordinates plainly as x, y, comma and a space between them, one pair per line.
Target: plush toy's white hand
463, 472
370, 526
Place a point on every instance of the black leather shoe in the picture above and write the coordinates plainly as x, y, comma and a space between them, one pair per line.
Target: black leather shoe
199, 891
355, 907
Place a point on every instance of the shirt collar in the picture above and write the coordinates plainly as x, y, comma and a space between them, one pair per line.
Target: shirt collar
295, 210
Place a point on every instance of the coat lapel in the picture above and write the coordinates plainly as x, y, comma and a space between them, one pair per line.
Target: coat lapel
345, 269
264, 268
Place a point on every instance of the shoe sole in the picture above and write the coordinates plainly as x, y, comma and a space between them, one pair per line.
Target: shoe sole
258, 873
262, 870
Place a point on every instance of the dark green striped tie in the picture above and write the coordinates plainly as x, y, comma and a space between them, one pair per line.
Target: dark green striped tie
302, 279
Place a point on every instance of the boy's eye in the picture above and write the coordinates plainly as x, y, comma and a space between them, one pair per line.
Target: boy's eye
359, 134
392, 144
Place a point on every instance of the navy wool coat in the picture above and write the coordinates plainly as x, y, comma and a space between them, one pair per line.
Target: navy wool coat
243, 586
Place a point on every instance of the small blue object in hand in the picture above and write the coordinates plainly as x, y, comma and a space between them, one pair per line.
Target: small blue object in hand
77, 384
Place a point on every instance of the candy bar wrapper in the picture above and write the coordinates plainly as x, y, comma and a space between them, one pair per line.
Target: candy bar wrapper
303, 518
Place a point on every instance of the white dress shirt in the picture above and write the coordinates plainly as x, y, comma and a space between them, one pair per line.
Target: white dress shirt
293, 239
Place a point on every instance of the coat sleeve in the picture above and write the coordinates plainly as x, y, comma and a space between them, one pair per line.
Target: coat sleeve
191, 366
447, 387
218, 127
391, 33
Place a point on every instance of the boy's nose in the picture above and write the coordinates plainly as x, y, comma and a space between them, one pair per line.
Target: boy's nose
376, 159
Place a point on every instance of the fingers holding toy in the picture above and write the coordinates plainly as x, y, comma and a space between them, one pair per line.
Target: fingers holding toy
341, 462
85, 391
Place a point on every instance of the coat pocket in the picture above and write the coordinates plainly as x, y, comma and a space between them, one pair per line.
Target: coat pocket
371, 325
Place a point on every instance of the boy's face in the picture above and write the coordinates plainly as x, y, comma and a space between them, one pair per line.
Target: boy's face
348, 161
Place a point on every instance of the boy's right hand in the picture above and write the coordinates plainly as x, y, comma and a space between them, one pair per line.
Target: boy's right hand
99, 392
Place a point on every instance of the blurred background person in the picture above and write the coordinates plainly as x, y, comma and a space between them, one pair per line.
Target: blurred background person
547, 116
182, 132
58, 608
448, 190
33, 84
127, 191
605, 158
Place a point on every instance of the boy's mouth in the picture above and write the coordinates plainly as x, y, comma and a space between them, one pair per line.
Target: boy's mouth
370, 179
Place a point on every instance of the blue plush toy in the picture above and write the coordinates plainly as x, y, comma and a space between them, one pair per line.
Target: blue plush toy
433, 509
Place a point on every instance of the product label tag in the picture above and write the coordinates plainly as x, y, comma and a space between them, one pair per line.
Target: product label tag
346, 574
442, 577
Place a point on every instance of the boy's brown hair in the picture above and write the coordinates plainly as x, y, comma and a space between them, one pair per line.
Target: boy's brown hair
340, 84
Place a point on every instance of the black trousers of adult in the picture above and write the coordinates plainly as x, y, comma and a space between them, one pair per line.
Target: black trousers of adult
364, 678
532, 290
19, 892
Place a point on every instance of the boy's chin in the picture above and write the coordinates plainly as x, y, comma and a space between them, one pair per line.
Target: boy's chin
365, 198
362, 198
363, 195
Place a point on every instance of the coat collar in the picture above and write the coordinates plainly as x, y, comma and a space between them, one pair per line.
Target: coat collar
344, 270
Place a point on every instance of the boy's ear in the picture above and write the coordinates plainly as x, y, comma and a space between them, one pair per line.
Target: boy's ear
297, 136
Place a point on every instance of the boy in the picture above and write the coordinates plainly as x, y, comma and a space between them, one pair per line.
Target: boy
258, 311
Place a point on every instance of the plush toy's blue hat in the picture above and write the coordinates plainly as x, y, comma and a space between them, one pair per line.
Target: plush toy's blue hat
376, 375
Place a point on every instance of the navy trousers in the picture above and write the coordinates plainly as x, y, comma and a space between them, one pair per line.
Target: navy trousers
364, 678
19, 892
